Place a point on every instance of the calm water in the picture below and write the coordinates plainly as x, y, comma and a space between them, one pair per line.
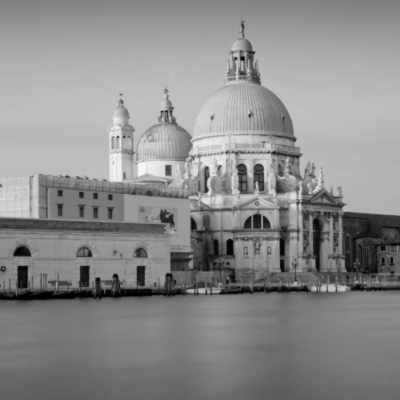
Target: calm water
276, 346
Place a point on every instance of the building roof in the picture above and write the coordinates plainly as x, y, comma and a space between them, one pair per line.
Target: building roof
375, 222
243, 107
84, 226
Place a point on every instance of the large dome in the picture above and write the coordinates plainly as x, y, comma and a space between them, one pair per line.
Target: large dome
242, 44
243, 107
165, 141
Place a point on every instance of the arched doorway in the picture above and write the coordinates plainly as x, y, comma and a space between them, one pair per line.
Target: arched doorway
317, 243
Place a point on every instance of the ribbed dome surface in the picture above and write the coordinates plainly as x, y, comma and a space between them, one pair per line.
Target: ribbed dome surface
228, 110
164, 141
242, 44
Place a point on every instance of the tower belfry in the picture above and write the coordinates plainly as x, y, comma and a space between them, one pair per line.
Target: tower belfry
120, 145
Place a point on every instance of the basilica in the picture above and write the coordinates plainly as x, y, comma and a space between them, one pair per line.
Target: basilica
253, 208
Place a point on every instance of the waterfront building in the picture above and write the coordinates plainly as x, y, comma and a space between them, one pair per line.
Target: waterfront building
39, 252
371, 241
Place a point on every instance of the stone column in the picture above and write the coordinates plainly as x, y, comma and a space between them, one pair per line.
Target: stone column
340, 247
311, 241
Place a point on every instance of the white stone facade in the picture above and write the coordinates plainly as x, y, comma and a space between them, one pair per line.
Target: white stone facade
54, 246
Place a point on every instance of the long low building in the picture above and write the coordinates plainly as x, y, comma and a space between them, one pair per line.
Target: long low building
37, 252
67, 198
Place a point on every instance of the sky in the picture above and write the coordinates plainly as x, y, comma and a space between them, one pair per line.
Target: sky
334, 64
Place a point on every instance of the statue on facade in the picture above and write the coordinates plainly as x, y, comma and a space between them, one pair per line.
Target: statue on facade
187, 168
312, 171
257, 246
256, 189
308, 169
331, 191
340, 191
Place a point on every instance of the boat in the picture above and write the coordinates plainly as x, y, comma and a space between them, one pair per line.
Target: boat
229, 290
330, 288
66, 295
201, 288
42, 295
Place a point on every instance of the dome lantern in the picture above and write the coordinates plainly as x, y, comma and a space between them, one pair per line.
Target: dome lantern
121, 114
241, 65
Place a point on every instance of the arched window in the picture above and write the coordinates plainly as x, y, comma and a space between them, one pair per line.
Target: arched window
216, 247
257, 221
140, 253
193, 225
22, 251
206, 176
242, 175
229, 247
259, 177
113, 143
117, 143
84, 252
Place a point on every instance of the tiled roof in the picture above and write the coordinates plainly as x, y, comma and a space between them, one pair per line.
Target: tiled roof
84, 226
376, 221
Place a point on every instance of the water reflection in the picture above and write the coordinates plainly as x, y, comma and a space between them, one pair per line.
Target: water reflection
226, 347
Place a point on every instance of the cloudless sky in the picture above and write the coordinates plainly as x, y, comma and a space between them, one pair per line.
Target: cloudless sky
334, 64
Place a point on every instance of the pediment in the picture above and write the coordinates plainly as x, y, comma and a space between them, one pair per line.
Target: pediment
256, 202
194, 205
323, 197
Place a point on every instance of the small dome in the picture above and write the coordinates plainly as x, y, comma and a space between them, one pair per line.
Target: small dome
121, 111
166, 140
165, 104
242, 44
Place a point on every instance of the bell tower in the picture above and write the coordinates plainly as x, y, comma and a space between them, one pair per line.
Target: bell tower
120, 144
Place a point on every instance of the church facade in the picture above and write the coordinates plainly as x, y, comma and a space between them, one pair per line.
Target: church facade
252, 210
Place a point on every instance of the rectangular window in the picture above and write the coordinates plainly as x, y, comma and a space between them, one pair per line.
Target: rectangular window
59, 193
81, 211
124, 175
383, 248
168, 170
140, 275
110, 212
382, 260
391, 260
95, 196
110, 197
95, 212
393, 249
81, 195
60, 210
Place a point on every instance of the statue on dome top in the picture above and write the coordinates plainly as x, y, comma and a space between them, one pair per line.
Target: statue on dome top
241, 32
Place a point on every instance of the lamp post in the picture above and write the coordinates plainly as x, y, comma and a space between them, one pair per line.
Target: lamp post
295, 264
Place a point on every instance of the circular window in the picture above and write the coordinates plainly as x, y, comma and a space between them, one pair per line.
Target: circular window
257, 203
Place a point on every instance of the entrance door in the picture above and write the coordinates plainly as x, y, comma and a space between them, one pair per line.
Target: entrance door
23, 277
84, 276
282, 265
317, 243
140, 275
